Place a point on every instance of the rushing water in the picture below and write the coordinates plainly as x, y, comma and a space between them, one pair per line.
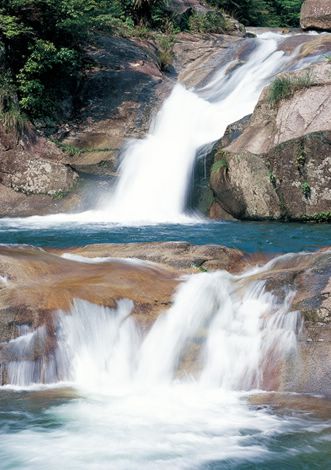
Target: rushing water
139, 401
156, 171
111, 395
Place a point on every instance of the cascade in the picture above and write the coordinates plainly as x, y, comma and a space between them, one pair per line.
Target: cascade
239, 328
156, 172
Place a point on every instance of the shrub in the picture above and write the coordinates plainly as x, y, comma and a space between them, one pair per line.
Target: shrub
284, 87
272, 179
210, 22
165, 44
320, 217
11, 116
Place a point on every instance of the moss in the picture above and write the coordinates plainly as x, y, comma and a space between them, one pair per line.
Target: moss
272, 179
220, 165
284, 87
306, 189
319, 217
73, 150
283, 207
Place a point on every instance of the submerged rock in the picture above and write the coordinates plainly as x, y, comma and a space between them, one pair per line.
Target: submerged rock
316, 14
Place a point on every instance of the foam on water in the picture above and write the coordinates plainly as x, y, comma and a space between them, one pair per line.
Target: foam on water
170, 397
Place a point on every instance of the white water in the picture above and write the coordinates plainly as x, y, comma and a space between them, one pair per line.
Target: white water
237, 325
169, 398
155, 173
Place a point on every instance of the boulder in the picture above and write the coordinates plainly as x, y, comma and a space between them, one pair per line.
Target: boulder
316, 14
120, 93
34, 175
309, 277
280, 165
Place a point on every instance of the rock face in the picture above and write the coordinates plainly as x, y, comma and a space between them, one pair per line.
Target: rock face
34, 175
280, 165
117, 100
118, 97
316, 14
309, 277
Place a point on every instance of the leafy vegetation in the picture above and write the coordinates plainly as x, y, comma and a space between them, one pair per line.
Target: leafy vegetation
284, 87
272, 13
272, 179
319, 217
306, 189
42, 41
212, 22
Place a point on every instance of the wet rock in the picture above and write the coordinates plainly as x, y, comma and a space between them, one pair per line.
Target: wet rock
309, 277
178, 255
316, 14
280, 165
38, 283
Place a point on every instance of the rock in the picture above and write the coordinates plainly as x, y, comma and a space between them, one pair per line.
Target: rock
284, 153
316, 14
34, 176
122, 90
197, 55
30, 175
177, 255
181, 6
41, 282
309, 277
248, 197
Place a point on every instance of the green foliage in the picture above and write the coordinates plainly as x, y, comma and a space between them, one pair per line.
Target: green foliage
273, 13
211, 22
11, 116
319, 217
165, 50
272, 179
220, 165
284, 87
306, 189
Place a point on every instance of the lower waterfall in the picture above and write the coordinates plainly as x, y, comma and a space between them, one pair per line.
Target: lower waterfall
174, 396
222, 331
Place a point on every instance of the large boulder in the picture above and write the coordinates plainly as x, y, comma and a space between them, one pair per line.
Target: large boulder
316, 14
35, 175
280, 165
121, 91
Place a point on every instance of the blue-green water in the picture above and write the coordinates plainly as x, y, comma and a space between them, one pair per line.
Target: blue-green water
59, 428
271, 237
175, 429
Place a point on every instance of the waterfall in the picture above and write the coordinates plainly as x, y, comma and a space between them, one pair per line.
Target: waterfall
223, 331
156, 172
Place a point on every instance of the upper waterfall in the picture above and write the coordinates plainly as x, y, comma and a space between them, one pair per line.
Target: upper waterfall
155, 172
